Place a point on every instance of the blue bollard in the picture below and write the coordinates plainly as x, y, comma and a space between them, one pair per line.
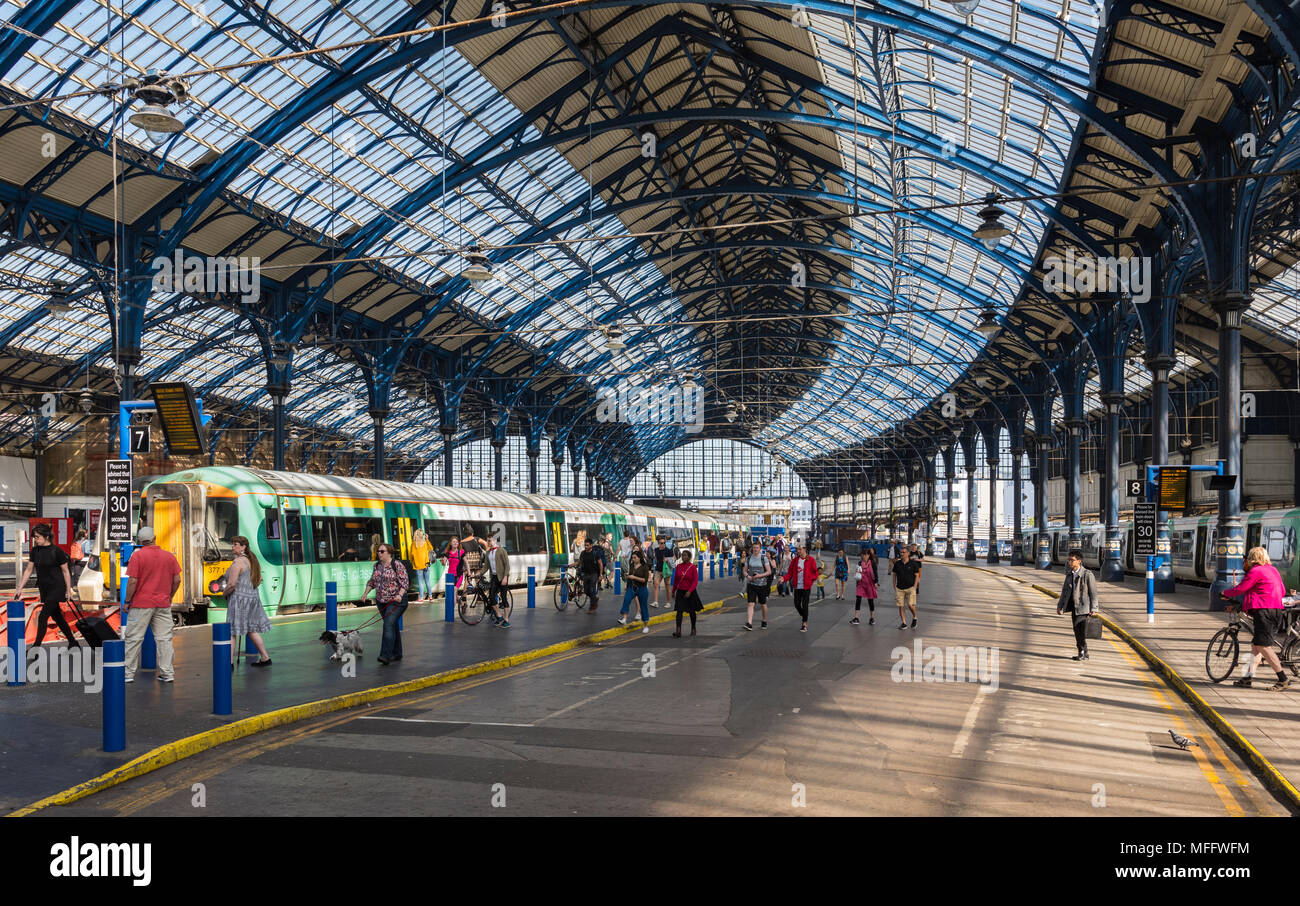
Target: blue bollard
713, 559
249, 647
114, 695
221, 672
332, 606
564, 590
148, 650
618, 578
449, 592
17, 642
1151, 589
532, 587
731, 564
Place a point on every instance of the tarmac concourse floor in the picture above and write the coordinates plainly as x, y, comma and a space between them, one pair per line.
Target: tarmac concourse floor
840, 720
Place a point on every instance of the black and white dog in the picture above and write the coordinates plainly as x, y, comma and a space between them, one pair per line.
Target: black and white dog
345, 641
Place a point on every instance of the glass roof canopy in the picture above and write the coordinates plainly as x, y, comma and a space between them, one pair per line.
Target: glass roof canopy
908, 335
915, 335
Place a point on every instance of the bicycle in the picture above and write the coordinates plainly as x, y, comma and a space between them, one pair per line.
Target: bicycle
475, 602
573, 590
1224, 650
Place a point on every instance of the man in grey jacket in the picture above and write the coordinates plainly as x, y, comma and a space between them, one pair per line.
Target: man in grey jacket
1079, 597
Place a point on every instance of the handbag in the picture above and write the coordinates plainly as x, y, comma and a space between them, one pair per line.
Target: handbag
1092, 629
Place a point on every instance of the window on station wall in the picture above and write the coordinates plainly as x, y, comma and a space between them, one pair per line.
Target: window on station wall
718, 468
473, 465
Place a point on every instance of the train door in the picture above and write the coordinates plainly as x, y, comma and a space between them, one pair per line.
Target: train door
295, 588
175, 512
556, 544
1252, 535
1203, 549
403, 519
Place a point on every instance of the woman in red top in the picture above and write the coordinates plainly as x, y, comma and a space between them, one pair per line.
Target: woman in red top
801, 575
686, 578
1261, 593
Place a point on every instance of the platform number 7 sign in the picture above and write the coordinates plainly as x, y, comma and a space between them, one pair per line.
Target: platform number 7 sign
139, 439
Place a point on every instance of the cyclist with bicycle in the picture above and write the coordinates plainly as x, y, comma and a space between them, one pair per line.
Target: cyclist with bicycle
1261, 592
589, 569
498, 570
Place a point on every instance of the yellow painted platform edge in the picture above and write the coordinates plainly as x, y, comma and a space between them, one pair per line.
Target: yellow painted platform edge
1274, 779
172, 752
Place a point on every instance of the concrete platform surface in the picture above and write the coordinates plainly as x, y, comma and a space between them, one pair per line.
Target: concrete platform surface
841, 720
51, 734
1179, 636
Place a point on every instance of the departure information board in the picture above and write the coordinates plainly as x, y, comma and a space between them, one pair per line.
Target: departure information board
1173, 488
179, 415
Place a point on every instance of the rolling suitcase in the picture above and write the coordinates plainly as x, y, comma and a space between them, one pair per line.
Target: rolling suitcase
95, 630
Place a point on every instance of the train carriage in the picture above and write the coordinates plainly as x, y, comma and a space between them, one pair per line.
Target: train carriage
308, 530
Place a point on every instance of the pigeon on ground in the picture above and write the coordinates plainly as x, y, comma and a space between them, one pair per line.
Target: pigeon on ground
1182, 741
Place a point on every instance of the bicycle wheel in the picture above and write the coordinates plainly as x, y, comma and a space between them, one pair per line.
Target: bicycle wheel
1221, 655
560, 604
473, 607
578, 595
1291, 656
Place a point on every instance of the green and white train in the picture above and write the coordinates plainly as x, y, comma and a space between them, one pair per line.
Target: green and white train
307, 530
1191, 544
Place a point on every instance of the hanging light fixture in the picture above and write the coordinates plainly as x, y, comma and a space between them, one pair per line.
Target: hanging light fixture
988, 324
57, 303
614, 338
991, 231
478, 267
732, 413
965, 7
158, 91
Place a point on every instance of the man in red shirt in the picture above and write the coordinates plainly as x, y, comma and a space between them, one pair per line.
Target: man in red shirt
153, 575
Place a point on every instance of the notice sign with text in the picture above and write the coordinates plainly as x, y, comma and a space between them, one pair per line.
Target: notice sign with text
1144, 529
179, 415
117, 500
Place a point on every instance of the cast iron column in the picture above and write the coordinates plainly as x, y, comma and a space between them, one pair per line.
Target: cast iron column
1017, 506
1074, 430
993, 556
1159, 367
1044, 560
1112, 569
1229, 543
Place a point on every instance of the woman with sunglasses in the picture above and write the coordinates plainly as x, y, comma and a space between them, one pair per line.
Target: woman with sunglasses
52, 582
243, 603
390, 582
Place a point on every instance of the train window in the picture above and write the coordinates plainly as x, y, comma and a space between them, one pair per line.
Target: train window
352, 536
272, 524
293, 535
532, 538
439, 532
325, 549
1280, 544
221, 523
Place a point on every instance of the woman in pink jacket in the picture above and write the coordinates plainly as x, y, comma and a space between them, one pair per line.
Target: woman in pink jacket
866, 586
1261, 593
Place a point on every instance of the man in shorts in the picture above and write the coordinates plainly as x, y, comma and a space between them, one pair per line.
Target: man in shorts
907, 584
757, 572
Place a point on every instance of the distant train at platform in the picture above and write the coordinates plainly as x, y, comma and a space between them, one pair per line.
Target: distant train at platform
308, 530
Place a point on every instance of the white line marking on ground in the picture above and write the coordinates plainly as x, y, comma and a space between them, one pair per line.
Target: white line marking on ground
422, 720
968, 725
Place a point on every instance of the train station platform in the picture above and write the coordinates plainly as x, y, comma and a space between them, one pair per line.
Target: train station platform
51, 733
1179, 636
838, 720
